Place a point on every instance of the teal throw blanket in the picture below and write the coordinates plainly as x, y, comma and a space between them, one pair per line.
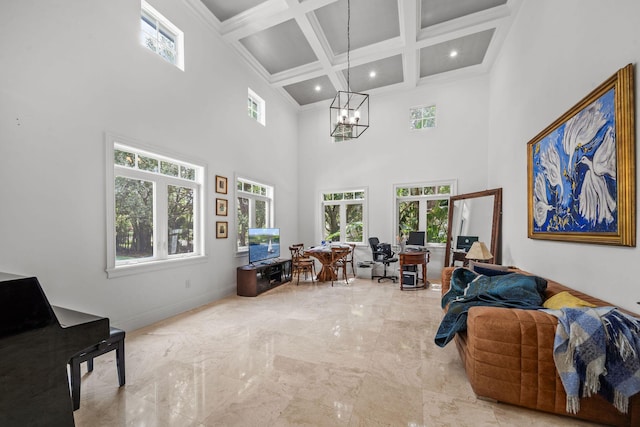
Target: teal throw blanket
469, 289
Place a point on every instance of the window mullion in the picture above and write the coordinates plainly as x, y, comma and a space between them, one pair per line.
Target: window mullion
343, 221
161, 221
422, 214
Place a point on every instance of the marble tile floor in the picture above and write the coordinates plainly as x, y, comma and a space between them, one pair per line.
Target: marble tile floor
360, 354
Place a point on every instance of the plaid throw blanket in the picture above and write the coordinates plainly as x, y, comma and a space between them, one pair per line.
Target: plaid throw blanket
596, 351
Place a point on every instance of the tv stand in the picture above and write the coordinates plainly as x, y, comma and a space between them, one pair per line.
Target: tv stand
254, 279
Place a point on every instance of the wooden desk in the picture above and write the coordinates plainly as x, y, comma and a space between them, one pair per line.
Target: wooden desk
415, 258
459, 256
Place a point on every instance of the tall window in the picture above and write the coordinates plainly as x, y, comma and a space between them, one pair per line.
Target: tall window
256, 107
344, 214
154, 204
255, 209
423, 117
424, 206
158, 34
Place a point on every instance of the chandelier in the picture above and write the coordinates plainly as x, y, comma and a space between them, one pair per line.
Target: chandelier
349, 111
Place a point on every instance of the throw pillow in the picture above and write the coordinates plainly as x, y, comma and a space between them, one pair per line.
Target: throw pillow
473, 264
565, 299
490, 271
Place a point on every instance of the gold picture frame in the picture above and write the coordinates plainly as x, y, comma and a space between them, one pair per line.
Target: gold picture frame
221, 184
222, 206
581, 169
222, 228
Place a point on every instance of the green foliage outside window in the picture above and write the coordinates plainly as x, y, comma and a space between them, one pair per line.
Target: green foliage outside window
134, 218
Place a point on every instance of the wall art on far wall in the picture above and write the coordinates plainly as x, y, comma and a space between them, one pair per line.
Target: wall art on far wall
221, 207
581, 169
221, 229
221, 184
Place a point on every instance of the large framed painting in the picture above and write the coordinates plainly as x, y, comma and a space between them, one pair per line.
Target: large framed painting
581, 169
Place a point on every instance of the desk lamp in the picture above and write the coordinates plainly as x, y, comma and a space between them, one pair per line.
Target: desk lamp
479, 252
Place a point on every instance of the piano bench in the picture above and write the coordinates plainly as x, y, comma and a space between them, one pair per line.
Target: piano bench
114, 342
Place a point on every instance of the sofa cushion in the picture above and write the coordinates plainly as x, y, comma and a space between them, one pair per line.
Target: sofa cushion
565, 299
473, 264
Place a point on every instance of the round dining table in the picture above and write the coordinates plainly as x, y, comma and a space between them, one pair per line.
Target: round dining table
323, 254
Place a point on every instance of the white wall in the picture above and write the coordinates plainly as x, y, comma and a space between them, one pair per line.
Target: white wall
389, 153
72, 70
555, 54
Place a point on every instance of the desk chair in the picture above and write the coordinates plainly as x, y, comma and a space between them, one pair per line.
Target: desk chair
382, 253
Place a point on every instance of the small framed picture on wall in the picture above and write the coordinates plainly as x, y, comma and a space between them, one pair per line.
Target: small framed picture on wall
221, 229
221, 207
221, 184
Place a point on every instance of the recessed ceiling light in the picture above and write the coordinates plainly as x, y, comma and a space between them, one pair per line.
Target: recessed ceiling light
372, 74
318, 87
453, 53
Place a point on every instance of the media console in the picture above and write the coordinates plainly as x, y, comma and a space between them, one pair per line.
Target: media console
254, 279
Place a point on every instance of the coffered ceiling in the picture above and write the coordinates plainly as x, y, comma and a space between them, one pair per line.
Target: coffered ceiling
300, 46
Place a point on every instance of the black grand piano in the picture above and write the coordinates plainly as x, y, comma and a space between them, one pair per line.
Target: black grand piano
36, 343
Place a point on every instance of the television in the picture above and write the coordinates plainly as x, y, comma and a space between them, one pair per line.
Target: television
264, 244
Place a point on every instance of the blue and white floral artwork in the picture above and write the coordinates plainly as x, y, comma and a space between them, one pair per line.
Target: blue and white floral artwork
574, 173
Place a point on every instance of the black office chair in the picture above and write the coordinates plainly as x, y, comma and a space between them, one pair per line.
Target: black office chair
382, 253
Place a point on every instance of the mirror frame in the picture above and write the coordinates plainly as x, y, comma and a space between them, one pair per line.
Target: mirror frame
495, 226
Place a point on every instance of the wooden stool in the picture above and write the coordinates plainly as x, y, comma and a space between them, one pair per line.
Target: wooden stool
114, 342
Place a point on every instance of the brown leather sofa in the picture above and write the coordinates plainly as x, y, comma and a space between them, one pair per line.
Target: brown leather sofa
508, 357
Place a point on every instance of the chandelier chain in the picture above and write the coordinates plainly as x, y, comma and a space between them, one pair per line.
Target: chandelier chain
348, 44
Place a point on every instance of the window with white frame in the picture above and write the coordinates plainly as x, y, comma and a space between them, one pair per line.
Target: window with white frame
423, 117
424, 207
344, 215
255, 207
343, 133
256, 107
159, 35
154, 206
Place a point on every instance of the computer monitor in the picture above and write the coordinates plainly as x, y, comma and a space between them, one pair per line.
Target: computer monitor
464, 242
416, 238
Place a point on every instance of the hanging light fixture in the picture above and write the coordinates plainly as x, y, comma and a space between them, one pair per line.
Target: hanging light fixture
349, 111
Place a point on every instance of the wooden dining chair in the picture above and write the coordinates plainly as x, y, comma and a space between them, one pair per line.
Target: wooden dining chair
300, 263
351, 257
339, 256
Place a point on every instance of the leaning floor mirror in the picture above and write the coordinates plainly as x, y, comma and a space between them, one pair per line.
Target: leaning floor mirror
474, 216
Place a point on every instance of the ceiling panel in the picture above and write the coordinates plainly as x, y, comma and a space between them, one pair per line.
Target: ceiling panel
280, 47
438, 11
225, 9
470, 50
312, 90
387, 71
300, 45
372, 21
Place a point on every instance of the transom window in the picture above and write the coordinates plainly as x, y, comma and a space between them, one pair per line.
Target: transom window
154, 204
255, 207
423, 117
256, 107
344, 214
424, 207
159, 35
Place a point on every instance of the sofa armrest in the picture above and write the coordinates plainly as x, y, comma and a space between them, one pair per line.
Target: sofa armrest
510, 357
446, 279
